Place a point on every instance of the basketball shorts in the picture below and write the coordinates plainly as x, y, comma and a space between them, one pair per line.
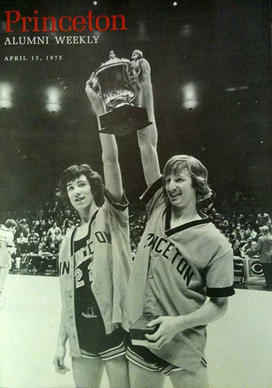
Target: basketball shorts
110, 346
144, 358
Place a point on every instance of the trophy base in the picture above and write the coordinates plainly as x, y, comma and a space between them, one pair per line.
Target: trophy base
124, 120
139, 329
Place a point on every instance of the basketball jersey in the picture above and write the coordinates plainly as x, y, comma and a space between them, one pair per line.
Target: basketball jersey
100, 264
174, 270
89, 322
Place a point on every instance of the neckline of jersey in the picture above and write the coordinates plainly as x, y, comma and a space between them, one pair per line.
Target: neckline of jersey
88, 233
170, 231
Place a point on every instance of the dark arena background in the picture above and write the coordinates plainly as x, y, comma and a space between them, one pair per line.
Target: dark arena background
220, 50
211, 75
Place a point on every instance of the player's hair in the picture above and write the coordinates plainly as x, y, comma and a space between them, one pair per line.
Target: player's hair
10, 223
199, 176
73, 172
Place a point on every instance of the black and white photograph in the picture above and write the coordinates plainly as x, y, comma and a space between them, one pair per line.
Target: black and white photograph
135, 194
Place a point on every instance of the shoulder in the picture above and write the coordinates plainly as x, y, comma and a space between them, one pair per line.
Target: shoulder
152, 190
111, 202
214, 237
153, 197
112, 211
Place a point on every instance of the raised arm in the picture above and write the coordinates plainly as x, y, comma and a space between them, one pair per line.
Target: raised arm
148, 137
112, 171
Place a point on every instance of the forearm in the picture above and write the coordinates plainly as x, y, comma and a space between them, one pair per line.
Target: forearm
210, 311
62, 335
111, 167
147, 141
169, 326
109, 148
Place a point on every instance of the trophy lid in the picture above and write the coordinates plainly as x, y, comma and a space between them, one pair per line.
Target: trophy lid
112, 61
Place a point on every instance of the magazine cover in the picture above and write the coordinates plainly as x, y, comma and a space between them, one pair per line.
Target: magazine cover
103, 102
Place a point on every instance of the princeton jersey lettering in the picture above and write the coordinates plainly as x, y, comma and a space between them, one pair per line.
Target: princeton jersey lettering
83, 263
87, 313
85, 250
168, 251
64, 268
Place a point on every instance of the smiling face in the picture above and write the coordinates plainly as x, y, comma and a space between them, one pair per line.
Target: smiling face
179, 189
79, 193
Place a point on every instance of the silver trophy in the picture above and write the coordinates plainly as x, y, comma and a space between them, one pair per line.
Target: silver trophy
117, 83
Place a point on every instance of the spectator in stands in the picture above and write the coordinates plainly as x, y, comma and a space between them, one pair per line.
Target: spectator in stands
236, 248
44, 238
252, 251
66, 226
263, 219
43, 225
224, 226
33, 241
24, 226
265, 251
250, 232
237, 233
55, 229
57, 238
18, 263
21, 244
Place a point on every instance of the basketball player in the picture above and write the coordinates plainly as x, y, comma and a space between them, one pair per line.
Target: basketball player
7, 232
181, 260
94, 266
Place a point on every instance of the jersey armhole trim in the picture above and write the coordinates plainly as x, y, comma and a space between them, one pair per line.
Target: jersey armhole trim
117, 205
220, 292
151, 190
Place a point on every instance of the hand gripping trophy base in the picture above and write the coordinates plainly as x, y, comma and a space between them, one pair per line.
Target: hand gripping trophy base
124, 120
139, 329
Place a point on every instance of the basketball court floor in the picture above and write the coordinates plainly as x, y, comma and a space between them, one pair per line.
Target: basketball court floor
239, 349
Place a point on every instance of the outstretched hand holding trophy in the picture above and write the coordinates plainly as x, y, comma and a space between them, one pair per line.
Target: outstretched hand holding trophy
93, 93
148, 136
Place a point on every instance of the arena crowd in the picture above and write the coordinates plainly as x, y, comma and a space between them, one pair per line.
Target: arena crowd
40, 232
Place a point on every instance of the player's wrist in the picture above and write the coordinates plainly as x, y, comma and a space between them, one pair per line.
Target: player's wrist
181, 323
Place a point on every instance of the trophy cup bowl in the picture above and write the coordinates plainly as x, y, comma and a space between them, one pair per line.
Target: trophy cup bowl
118, 90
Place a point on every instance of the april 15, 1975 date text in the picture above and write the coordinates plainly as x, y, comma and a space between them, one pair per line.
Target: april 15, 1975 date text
32, 58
